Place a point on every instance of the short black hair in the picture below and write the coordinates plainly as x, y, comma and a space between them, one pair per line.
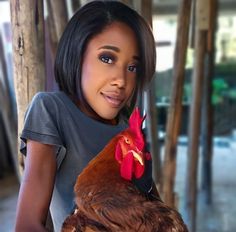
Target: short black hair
87, 22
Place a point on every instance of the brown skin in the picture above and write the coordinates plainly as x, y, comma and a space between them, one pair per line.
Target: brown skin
32, 210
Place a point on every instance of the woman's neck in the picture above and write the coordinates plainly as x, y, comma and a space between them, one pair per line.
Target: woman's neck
92, 114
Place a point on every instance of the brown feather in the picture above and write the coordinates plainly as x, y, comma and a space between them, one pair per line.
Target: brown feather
107, 202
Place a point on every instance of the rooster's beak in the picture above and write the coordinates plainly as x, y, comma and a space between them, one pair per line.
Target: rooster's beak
138, 157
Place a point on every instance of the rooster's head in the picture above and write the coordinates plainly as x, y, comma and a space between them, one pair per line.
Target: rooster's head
130, 148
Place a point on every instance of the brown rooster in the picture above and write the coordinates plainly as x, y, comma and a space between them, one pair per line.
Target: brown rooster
106, 198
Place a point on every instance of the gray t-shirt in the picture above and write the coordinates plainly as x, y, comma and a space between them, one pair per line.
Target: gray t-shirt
52, 118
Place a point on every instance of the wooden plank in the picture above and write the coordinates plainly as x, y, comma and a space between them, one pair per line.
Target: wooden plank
213, 15
194, 130
76, 5
146, 12
175, 109
59, 15
193, 25
202, 14
28, 54
53, 38
57, 20
4, 109
7, 119
195, 115
207, 110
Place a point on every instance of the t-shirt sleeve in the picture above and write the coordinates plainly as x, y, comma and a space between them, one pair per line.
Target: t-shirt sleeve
41, 122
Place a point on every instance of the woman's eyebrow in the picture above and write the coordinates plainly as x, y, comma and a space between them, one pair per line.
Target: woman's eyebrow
116, 49
110, 47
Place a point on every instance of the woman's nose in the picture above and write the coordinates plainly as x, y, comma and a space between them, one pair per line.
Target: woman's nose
119, 77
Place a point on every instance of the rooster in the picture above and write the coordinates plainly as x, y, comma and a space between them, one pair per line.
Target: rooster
106, 198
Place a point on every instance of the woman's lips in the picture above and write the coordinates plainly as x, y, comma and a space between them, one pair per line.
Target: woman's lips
113, 100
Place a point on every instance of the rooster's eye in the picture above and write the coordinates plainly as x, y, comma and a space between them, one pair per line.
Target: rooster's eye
127, 141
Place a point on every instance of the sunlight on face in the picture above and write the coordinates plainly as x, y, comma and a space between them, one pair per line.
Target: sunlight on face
109, 70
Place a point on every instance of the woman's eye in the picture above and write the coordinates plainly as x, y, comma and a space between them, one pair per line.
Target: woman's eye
132, 68
106, 59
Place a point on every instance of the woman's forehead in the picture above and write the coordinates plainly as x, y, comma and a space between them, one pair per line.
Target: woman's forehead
116, 36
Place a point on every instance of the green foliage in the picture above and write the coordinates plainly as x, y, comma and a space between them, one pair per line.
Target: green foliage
232, 93
223, 84
220, 87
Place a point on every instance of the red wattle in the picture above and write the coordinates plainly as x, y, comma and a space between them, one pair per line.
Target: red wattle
126, 167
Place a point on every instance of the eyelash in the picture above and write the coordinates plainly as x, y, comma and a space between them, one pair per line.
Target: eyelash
134, 67
110, 59
105, 58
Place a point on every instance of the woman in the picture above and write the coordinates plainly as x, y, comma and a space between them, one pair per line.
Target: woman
104, 59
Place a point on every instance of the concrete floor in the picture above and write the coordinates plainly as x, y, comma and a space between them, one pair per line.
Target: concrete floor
9, 188
220, 217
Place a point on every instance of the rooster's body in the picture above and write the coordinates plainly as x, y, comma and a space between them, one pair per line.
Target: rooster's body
107, 200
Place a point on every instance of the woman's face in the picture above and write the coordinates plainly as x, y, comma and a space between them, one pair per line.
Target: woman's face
109, 70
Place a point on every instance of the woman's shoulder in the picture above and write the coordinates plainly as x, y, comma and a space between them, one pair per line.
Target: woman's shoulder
47, 96
47, 103
49, 99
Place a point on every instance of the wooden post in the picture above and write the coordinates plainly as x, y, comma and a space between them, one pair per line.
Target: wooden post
59, 15
53, 39
146, 12
4, 78
7, 118
193, 25
207, 110
206, 132
76, 5
56, 22
175, 109
58, 18
28, 55
194, 131
202, 20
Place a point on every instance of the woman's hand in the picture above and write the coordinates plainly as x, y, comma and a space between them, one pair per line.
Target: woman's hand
36, 187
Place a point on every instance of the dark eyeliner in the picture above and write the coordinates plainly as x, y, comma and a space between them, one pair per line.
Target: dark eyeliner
105, 57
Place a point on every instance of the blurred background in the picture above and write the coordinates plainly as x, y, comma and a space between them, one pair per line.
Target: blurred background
215, 211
